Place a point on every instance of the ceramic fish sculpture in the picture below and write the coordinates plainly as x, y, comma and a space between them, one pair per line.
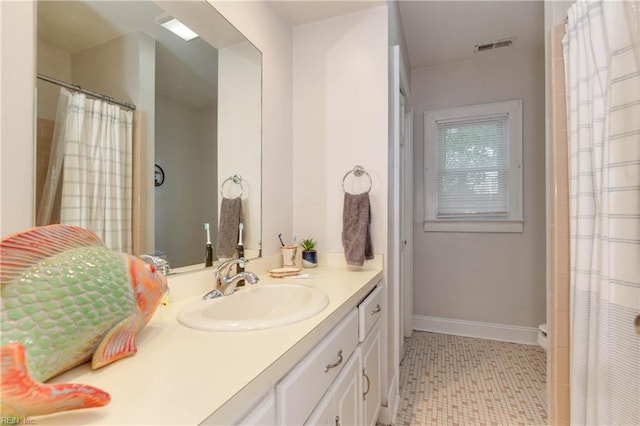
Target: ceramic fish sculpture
67, 299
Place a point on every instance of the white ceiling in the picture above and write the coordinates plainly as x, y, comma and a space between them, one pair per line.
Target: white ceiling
439, 32
300, 12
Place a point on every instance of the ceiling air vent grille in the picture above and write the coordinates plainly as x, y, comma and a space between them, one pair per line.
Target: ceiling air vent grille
493, 45
483, 47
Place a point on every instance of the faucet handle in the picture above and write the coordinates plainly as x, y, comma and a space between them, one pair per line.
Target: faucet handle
163, 266
225, 267
159, 263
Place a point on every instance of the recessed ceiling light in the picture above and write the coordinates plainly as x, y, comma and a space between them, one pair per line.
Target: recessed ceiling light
179, 29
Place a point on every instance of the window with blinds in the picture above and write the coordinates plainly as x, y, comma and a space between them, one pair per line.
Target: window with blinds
473, 167
473, 161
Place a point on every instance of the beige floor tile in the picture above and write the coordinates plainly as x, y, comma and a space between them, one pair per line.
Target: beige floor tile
453, 380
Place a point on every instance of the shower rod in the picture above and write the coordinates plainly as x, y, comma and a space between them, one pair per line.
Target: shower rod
76, 88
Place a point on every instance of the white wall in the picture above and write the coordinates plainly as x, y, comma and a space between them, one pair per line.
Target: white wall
484, 277
239, 131
17, 121
56, 63
340, 119
111, 68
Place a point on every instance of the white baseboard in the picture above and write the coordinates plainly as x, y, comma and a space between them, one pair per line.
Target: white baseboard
481, 330
389, 412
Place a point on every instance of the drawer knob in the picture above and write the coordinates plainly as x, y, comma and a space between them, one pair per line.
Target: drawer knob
376, 310
335, 364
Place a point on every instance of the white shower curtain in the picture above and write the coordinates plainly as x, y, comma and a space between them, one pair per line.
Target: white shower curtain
93, 147
602, 73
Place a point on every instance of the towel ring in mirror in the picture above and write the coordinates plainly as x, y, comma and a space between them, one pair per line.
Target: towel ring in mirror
357, 171
158, 176
236, 179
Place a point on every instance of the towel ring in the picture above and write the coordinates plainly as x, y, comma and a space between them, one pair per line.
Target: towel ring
357, 171
237, 179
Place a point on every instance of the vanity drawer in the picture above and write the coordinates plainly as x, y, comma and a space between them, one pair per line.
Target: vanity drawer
299, 392
369, 310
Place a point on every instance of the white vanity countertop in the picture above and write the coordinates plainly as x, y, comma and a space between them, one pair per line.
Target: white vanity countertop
181, 376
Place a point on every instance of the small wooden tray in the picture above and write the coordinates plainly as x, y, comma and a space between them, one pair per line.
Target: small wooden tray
284, 272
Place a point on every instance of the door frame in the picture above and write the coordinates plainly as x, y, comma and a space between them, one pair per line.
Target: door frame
394, 332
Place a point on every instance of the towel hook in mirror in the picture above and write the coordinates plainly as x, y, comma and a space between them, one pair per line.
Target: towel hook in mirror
357, 171
236, 179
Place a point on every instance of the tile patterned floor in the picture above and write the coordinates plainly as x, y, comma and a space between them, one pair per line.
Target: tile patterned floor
453, 380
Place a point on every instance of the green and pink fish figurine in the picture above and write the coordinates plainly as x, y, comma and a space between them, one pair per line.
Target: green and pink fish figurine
67, 299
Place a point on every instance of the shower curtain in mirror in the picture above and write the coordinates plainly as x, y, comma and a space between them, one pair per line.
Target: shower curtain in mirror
602, 75
92, 155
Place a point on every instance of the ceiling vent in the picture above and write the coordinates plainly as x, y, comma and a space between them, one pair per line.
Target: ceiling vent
494, 45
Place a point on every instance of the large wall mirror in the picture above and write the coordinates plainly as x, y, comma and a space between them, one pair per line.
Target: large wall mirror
196, 126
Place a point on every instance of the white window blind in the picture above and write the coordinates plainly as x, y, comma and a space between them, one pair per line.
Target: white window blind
473, 167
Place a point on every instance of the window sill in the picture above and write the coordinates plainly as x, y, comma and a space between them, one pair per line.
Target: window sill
485, 225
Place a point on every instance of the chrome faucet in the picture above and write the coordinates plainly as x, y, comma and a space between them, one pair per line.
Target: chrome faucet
225, 283
160, 264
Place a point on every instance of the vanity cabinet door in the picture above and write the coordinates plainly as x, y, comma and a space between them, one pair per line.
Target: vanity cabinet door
324, 413
348, 401
341, 405
370, 376
263, 414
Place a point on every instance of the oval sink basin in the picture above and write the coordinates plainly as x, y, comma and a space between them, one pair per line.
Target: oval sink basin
255, 307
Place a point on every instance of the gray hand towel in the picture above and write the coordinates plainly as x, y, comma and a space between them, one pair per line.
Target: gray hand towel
230, 218
356, 235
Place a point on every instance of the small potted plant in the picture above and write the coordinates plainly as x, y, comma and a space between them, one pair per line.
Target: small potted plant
309, 253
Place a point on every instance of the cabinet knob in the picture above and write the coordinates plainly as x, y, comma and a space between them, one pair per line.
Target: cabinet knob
337, 420
376, 310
